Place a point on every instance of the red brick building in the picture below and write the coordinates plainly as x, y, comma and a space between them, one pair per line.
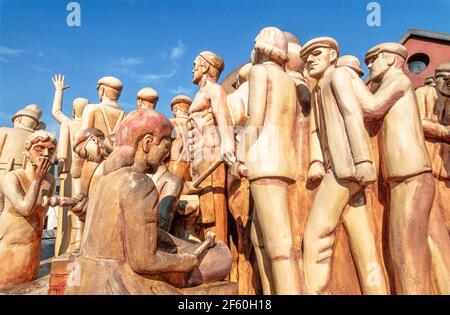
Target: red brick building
426, 51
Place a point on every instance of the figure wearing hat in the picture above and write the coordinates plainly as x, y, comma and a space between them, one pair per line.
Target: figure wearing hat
352, 62
434, 106
209, 138
341, 160
179, 155
406, 166
67, 237
147, 98
12, 141
107, 115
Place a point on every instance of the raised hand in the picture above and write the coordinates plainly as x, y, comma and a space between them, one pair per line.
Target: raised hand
58, 82
42, 169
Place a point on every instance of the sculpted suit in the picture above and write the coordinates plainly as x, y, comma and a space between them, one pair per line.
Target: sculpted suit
338, 141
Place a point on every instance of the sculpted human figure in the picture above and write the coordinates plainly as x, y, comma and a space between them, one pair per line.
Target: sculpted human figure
434, 106
341, 160
107, 115
406, 166
132, 255
147, 98
12, 142
270, 157
92, 148
179, 154
67, 238
22, 221
244, 270
209, 138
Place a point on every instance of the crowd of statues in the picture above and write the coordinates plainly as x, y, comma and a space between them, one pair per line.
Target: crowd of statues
299, 179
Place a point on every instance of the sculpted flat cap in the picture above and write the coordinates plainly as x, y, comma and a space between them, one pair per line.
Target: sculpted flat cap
148, 94
213, 59
317, 43
352, 62
32, 111
443, 67
390, 47
111, 82
183, 102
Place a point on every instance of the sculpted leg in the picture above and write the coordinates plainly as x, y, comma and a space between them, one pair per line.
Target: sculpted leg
361, 231
271, 201
2, 197
265, 270
411, 202
439, 242
326, 209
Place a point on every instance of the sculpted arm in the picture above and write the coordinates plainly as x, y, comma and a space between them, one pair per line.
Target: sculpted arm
257, 98
2, 139
378, 104
58, 82
87, 119
431, 129
63, 150
221, 114
341, 83
141, 232
22, 202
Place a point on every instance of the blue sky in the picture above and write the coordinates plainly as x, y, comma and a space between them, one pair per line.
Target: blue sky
153, 43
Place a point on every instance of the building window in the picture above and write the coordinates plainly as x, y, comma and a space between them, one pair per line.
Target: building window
418, 62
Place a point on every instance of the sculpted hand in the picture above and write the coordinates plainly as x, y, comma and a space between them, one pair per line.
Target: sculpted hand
58, 82
80, 208
365, 173
42, 169
316, 172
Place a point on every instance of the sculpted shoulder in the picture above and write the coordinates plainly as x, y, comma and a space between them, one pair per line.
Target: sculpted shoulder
138, 182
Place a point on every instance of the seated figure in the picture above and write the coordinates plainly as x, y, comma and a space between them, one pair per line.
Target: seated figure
28, 194
123, 251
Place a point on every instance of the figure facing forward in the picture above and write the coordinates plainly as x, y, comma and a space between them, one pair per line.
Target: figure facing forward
22, 221
341, 160
12, 142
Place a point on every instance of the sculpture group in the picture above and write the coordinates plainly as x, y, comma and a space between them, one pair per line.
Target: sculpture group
299, 178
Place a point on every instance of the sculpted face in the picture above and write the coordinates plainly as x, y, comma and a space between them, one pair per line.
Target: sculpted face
443, 83
92, 149
158, 153
39, 150
197, 72
319, 60
378, 67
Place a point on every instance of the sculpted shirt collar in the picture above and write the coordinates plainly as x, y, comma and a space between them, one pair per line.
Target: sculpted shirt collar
323, 78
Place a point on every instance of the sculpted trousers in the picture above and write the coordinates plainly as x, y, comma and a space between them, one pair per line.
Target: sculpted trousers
326, 211
410, 206
2, 197
272, 209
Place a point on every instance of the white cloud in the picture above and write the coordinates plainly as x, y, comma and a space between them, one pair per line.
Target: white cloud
182, 90
147, 78
41, 69
130, 61
178, 51
6, 52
